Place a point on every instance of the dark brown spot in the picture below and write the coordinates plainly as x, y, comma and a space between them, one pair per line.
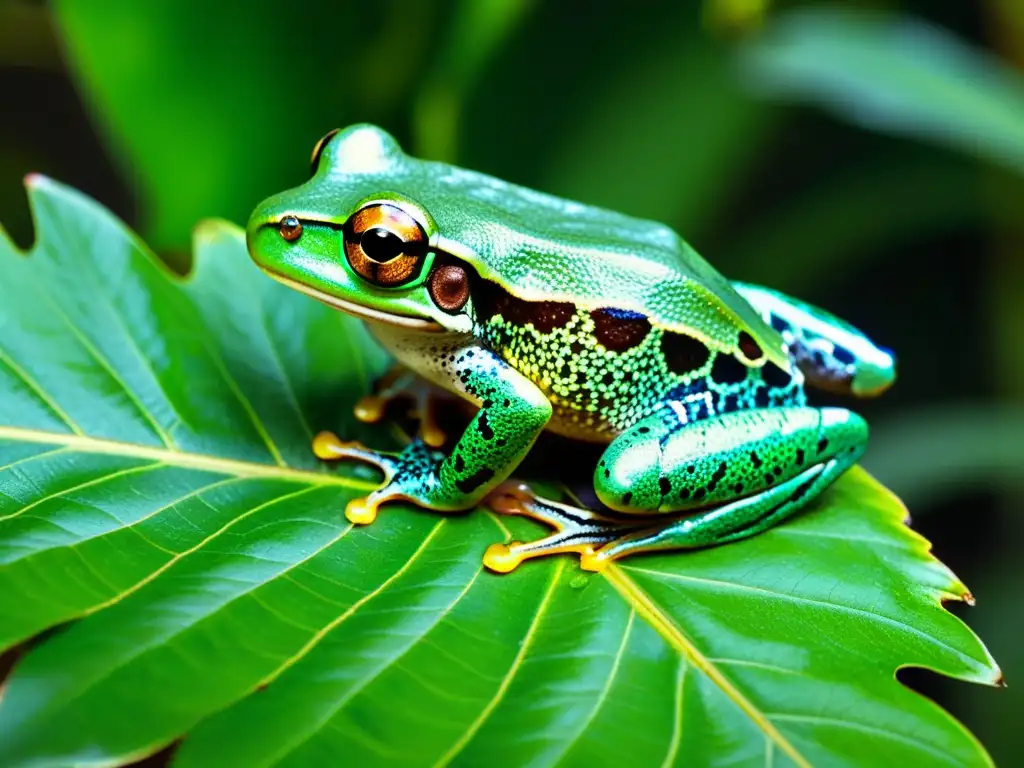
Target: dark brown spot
683, 354
750, 348
449, 287
618, 329
491, 299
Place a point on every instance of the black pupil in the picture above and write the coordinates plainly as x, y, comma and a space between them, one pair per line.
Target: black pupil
381, 244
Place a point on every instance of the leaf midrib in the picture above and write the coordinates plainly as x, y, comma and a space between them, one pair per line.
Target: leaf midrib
676, 638
199, 461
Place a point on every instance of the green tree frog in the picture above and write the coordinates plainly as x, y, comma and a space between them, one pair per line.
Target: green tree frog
551, 314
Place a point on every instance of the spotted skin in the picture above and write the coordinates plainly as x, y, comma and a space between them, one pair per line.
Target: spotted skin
512, 414
597, 393
692, 430
550, 314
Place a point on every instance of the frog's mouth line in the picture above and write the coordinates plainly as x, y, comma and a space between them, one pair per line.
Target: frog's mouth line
357, 310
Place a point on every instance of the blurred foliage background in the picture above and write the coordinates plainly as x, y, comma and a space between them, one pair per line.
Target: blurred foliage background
867, 156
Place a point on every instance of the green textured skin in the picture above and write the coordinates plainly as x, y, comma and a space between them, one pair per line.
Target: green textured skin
594, 325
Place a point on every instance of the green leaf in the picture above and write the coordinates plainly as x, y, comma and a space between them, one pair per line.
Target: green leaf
895, 74
160, 509
666, 137
197, 99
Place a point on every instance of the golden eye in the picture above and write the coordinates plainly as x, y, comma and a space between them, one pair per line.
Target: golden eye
318, 150
290, 228
384, 244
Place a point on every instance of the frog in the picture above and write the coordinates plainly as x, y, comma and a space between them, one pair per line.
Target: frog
545, 314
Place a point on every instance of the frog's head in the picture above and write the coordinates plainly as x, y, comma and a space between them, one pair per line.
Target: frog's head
351, 239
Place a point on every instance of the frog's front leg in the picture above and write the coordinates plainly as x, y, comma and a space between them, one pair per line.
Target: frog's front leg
698, 484
513, 412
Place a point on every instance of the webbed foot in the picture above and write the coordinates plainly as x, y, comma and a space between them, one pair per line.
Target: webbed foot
406, 474
576, 529
402, 384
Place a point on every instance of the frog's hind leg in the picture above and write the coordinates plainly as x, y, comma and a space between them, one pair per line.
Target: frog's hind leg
831, 353
576, 529
736, 475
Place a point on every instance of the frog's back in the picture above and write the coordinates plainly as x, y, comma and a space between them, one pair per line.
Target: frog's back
543, 248
610, 315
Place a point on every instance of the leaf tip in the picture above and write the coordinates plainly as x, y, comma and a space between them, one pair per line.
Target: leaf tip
999, 681
211, 230
34, 179
968, 598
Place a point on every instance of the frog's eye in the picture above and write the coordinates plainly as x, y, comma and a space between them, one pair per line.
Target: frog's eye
384, 244
318, 150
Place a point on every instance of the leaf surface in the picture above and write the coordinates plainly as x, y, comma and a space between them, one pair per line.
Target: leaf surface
895, 74
161, 512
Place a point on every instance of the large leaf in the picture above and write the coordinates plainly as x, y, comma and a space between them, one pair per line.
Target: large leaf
197, 99
895, 74
159, 506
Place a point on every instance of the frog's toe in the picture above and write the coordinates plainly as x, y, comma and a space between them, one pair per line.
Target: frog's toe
401, 385
370, 408
511, 498
594, 560
503, 558
329, 447
362, 511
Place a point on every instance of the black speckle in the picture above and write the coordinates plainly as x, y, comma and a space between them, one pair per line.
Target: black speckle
627, 497
684, 493
474, 481
460, 463
800, 456
484, 427
769, 478
664, 485
774, 376
822, 445
780, 324
755, 459
762, 397
700, 493
643, 430
691, 469
683, 354
728, 370
843, 355
738, 488
777, 471
500, 442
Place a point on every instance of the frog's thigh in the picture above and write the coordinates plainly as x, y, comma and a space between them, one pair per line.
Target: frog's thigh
755, 468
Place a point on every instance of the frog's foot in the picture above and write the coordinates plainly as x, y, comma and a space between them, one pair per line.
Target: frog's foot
402, 384
576, 529
406, 474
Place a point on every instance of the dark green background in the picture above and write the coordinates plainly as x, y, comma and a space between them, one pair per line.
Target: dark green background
170, 112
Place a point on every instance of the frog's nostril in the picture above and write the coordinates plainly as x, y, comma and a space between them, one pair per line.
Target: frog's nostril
290, 228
